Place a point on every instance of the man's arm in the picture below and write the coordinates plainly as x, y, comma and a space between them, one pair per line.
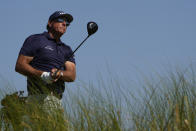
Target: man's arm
23, 66
69, 75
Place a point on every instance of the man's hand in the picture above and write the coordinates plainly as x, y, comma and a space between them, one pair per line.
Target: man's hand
67, 75
53, 76
56, 74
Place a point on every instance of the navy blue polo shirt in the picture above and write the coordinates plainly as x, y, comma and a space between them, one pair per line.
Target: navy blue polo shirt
47, 54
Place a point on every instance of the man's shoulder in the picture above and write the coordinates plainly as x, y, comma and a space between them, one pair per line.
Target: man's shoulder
35, 36
34, 39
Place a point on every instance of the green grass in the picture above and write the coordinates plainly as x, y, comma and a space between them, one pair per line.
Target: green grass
164, 103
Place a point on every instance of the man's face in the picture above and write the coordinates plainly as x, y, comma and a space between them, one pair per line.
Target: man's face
58, 25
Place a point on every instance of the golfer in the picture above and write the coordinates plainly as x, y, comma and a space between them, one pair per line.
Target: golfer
43, 54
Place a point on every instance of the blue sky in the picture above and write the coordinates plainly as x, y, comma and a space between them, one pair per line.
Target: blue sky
133, 34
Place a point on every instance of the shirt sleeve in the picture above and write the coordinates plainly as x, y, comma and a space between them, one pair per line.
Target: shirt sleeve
29, 46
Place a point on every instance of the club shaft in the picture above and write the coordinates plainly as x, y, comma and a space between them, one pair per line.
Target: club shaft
78, 46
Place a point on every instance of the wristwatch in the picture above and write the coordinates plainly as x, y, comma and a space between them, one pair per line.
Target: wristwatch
61, 74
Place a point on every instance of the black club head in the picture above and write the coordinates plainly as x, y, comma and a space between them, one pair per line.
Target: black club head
92, 27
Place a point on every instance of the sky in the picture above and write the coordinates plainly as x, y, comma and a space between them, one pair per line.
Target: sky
133, 36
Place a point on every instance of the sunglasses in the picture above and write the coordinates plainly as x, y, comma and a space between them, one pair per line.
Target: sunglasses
61, 20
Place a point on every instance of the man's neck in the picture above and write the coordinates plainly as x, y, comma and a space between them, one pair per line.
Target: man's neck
55, 36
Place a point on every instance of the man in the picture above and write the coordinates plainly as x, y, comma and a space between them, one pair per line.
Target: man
42, 55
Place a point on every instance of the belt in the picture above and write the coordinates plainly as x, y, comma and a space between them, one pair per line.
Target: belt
59, 96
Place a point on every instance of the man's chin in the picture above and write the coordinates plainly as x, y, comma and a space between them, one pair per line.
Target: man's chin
60, 33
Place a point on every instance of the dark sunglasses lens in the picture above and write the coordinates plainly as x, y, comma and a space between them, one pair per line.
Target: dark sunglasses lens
60, 20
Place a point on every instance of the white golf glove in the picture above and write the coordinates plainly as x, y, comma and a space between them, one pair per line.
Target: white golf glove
46, 76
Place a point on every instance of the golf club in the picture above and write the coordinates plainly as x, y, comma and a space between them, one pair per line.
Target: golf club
92, 27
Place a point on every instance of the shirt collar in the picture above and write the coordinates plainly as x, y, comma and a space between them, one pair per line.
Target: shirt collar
46, 34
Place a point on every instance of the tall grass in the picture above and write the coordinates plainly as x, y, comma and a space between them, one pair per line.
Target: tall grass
169, 103
165, 103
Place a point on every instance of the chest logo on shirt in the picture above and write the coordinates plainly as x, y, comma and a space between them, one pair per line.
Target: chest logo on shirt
49, 48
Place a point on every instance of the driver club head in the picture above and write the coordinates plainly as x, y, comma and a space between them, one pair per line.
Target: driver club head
92, 27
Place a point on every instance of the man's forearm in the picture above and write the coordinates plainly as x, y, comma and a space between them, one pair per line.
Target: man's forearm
23, 66
27, 70
68, 76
